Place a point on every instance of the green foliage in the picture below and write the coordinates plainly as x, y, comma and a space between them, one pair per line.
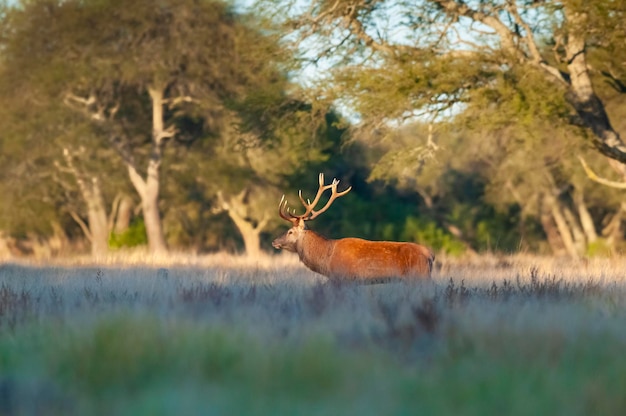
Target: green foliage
409, 85
457, 220
599, 248
432, 235
135, 235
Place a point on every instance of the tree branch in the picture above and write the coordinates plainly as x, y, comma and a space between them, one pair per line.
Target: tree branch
263, 223
137, 180
592, 175
356, 27
90, 106
173, 102
507, 37
78, 177
535, 54
114, 209
82, 225
168, 133
126, 156
85, 102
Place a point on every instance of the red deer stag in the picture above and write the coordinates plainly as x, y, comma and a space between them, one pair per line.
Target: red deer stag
349, 258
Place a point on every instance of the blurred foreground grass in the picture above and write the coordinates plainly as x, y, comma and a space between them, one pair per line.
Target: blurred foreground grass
512, 336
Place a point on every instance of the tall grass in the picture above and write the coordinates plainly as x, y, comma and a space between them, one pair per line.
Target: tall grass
231, 335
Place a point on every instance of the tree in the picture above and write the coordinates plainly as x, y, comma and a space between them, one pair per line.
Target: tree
145, 75
55, 166
439, 51
524, 154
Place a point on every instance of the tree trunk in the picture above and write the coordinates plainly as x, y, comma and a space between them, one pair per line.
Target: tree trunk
96, 230
236, 207
580, 242
612, 231
97, 217
58, 242
148, 189
251, 235
152, 217
552, 233
582, 95
5, 246
150, 202
565, 233
586, 220
123, 214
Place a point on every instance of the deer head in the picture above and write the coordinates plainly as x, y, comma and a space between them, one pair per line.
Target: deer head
289, 240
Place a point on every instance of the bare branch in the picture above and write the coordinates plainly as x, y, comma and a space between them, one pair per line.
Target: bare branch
535, 54
592, 175
356, 27
507, 37
169, 132
86, 102
460, 40
90, 106
82, 224
315, 21
113, 111
173, 102
78, 176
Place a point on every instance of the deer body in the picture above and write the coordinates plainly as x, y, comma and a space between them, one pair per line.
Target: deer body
355, 258
351, 258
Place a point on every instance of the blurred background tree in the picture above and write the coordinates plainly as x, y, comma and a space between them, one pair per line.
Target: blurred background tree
180, 124
143, 76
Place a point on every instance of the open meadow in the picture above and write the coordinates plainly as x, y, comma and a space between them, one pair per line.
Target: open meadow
229, 335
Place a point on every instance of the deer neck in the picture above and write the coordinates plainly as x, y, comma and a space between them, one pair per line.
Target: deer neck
315, 251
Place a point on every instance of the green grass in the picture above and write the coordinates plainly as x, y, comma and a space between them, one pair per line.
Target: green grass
482, 339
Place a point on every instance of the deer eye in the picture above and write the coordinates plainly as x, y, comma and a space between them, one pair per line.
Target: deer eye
290, 232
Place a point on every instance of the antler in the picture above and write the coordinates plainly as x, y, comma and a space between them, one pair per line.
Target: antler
283, 211
334, 195
309, 206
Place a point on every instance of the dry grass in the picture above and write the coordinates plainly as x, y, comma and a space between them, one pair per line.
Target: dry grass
140, 335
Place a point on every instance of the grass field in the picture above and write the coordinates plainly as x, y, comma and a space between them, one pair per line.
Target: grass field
228, 335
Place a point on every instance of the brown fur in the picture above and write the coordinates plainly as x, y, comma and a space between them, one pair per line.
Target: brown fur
354, 258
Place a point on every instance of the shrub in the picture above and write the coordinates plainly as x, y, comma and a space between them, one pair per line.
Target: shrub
134, 236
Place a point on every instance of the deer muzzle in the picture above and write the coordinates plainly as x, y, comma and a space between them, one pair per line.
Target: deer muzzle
277, 244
